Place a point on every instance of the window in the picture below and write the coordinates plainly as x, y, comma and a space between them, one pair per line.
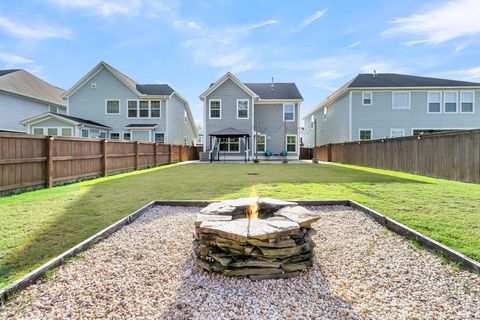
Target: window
450, 102
143, 109
52, 131
215, 109
132, 108
53, 109
325, 113
366, 98
365, 134
395, 133
66, 132
291, 143
155, 109
434, 102
126, 136
159, 137
38, 131
261, 143
102, 135
113, 106
230, 145
466, 102
114, 135
242, 109
288, 112
85, 133
401, 100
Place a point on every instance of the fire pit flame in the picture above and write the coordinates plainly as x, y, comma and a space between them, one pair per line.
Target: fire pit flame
252, 209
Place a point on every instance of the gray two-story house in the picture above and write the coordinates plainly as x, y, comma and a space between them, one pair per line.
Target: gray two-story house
23, 95
384, 105
243, 121
105, 103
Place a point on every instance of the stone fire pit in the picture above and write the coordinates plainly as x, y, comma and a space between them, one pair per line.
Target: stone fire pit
277, 244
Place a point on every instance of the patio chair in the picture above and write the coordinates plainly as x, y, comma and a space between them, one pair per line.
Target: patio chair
283, 154
268, 154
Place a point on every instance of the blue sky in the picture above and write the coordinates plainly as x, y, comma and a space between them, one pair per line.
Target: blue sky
317, 44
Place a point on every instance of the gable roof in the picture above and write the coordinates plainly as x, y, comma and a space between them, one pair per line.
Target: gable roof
25, 84
224, 78
155, 89
395, 80
280, 91
70, 119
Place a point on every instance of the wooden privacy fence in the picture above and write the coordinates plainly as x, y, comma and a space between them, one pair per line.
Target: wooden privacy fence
32, 161
452, 155
306, 153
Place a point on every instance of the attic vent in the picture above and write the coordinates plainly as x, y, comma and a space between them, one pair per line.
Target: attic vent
94, 85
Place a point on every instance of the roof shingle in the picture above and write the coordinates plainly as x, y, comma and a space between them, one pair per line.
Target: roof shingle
278, 92
395, 80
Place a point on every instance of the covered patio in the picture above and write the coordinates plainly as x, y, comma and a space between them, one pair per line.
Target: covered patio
222, 136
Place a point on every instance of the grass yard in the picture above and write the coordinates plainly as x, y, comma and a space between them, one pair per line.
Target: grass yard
39, 225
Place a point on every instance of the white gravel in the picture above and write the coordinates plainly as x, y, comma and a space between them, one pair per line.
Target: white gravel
146, 271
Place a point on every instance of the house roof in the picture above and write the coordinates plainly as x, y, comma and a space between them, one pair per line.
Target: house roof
142, 125
155, 89
395, 80
25, 84
65, 117
229, 132
280, 91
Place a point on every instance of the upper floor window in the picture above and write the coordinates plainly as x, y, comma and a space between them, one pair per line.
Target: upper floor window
366, 98
143, 113
365, 134
242, 109
155, 109
434, 102
215, 109
132, 108
466, 102
53, 109
395, 133
112, 106
450, 102
288, 112
401, 100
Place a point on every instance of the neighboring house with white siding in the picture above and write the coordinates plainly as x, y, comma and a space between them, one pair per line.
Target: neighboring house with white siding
383, 105
23, 95
105, 103
243, 120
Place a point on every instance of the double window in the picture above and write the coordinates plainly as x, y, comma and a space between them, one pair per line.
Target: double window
291, 143
366, 98
261, 143
242, 109
143, 109
215, 109
288, 112
230, 145
365, 134
401, 100
112, 106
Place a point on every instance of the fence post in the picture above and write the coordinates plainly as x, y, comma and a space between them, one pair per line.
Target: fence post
49, 161
136, 154
169, 153
155, 160
104, 158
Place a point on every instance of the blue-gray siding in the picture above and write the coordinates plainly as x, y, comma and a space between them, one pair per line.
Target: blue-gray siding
179, 131
336, 126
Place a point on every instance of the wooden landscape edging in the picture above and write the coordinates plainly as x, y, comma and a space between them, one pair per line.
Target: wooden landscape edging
388, 223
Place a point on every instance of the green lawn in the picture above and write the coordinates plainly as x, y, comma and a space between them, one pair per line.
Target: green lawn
37, 226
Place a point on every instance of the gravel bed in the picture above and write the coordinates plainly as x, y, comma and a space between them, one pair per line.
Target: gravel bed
146, 271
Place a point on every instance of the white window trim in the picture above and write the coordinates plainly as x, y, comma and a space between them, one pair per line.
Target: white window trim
445, 101
248, 109
50, 108
110, 135
409, 100
401, 129
123, 136
294, 109
473, 102
210, 106
88, 130
363, 98
228, 144
59, 130
256, 144
164, 137
428, 102
296, 143
150, 109
136, 100
365, 129
119, 107
100, 132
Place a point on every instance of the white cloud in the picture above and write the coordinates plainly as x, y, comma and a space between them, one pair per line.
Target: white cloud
353, 45
448, 21
106, 8
37, 31
12, 60
311, 19
468, 74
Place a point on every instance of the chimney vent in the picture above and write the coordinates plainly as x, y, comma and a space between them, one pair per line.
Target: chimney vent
374, 74
272, 85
